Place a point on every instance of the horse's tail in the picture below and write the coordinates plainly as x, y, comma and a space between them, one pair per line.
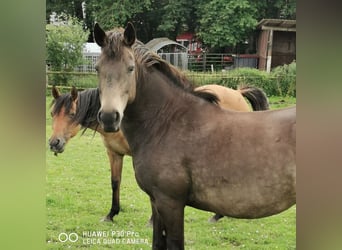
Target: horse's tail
209, 97
257, 97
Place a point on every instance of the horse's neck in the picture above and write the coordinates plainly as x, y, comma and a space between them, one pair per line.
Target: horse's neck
156, 104
154, 93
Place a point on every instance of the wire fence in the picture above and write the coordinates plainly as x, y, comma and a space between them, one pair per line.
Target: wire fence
200, 62
279, 85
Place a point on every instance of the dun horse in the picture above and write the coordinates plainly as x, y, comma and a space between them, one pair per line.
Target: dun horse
187, 151
76, 110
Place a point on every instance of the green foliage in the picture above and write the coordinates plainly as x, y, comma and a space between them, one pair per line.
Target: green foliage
280, 82
169, 18
112, 14
277, 102
286, 79
253, 77
64, 45
225, 23
174, 17
77, 79
71, 8
283, 9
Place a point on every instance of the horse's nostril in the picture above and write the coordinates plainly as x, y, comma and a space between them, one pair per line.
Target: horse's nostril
99, 114
54, 142
109, 121
108, 117
116, 116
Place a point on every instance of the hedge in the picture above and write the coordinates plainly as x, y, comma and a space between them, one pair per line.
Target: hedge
280, 82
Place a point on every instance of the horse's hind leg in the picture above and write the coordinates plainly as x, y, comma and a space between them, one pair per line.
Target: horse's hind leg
116, 162
150, 221
215, 218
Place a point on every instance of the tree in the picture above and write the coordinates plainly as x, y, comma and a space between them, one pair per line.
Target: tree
278, 9
225, 23
70, 8
64, 44
219, 23
112, 14
175, 16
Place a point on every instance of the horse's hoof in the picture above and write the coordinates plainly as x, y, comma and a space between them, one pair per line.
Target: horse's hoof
107, 219
212, 220
149, 223
215, 218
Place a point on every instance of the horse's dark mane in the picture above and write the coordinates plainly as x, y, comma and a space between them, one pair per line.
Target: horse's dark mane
63, 100
114, 42
88, 105
144, 56
148, 58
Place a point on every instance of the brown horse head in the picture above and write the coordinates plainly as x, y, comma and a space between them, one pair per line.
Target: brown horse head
63, 123
116, 73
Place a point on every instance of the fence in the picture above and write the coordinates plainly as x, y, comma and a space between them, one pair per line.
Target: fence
279, 85
221, 62
77, 79
281, 81
90, 80
91, 59
180, 60
203, 62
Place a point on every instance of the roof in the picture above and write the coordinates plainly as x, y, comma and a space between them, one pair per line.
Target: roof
185, 36
157, 43
277, 25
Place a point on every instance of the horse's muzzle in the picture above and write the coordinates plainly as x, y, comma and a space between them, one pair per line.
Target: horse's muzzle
57, 145
110, 121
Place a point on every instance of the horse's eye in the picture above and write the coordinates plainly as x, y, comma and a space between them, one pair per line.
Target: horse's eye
130, 69
72, 115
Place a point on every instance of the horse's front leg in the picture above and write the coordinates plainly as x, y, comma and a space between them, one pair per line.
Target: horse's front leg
116, 161
159, 237
171, 214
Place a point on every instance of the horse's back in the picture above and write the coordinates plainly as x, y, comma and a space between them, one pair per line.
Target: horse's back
228, 98
285, 120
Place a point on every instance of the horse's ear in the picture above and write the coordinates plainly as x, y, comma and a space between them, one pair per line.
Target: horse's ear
99, 35
55, 92
74, 93
129, 34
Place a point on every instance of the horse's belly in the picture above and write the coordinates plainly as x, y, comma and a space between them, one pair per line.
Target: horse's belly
245, 197
243, 207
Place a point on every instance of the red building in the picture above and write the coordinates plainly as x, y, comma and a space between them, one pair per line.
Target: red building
190, 41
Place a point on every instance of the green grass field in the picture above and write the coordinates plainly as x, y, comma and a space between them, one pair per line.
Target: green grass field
78, 195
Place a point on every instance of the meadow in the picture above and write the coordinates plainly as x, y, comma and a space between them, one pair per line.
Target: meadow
78, 195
